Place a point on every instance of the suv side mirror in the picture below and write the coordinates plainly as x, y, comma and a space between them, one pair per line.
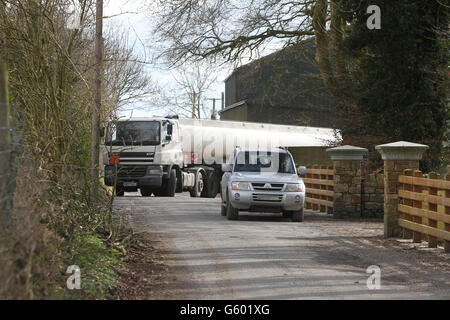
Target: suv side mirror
226, 167
301, 171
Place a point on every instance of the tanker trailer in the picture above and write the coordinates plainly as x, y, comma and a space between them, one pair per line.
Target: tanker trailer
164, 156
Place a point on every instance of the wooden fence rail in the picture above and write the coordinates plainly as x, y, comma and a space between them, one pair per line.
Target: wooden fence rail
319, 188
424, 207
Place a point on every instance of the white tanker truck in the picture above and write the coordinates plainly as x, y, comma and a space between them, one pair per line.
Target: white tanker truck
164, 156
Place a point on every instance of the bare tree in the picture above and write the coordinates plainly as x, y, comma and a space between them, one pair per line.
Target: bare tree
187, 95
127, 78
230, 28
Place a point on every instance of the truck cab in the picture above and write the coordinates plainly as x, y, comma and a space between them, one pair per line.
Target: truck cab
143, 154
262, 180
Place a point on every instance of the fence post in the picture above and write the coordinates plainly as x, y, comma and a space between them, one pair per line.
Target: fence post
397, 156
347, 169
432, 241
308, 205
5, 136
417, 236
407, 234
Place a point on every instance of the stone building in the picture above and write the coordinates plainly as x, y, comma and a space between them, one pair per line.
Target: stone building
284, 88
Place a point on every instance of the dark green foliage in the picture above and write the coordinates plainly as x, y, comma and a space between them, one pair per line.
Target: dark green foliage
98, 265
399, 71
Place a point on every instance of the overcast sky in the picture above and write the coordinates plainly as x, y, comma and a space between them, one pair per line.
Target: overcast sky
132, 16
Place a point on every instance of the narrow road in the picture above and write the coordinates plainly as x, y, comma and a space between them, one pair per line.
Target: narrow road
264, 256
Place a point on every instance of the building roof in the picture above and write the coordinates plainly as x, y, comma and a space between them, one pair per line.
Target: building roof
235, 105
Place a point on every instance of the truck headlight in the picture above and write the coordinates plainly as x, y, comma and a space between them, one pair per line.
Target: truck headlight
297, 187
155, 170
241, 186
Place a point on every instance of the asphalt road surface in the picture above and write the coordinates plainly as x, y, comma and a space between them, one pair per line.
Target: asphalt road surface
264, 256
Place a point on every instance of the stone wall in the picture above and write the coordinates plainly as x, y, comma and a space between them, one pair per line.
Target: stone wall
372, 195
347, 189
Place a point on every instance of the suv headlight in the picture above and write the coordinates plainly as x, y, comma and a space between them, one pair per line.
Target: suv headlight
294, 187
241, 186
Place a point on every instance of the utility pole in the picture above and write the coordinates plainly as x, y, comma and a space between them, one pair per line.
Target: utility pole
96, 110
213, 115
199, 107
194, 104
5, 136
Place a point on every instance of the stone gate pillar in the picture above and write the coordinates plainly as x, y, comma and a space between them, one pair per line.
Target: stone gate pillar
397, 157
347, 169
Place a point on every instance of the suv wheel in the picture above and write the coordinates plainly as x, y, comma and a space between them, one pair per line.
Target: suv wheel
297, 216
287, 214
223, 210
232, 213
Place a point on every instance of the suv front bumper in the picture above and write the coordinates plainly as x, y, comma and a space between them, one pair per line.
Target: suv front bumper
248, 200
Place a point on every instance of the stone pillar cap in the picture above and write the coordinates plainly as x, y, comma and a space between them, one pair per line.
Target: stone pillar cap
401, 150
347, 153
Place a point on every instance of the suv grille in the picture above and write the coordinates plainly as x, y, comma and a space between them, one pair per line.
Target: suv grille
267, 197
267, 186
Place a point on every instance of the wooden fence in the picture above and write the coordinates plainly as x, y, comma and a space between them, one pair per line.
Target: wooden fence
319, 188
424, 207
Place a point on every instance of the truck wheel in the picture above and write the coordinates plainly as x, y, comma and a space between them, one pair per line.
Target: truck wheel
172, 183
297, 216
180, 182
168, 186
196, 190
146, 192
232, 213
120, 192
211, 187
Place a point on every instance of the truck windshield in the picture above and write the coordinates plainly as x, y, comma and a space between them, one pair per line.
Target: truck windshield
132, 133
255, 161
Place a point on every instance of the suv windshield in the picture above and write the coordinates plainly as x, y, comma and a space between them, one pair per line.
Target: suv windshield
132, 133
256, 161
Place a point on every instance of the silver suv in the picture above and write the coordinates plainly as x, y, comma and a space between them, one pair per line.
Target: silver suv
262, 181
